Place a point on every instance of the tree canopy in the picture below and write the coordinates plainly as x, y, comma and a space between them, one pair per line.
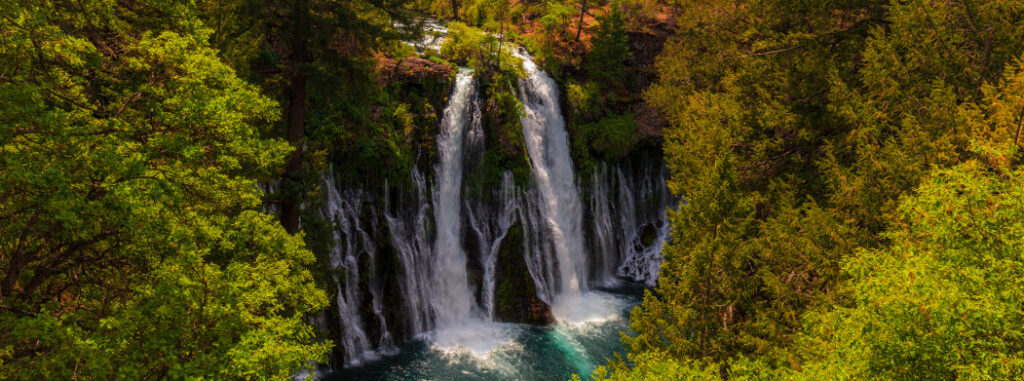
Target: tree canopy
809, 141
133, 246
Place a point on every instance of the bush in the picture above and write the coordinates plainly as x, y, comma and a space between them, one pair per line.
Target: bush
478, 50
584, 101
612, 137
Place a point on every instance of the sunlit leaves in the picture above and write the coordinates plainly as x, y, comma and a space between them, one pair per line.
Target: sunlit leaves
131, 247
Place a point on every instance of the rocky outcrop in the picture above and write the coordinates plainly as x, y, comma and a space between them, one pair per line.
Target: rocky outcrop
516, 298
412, 69
645, 45
649, 122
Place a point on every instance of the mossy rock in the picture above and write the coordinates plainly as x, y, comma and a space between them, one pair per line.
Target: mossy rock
515, 293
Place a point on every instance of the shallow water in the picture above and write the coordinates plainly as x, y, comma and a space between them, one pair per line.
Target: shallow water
503, 351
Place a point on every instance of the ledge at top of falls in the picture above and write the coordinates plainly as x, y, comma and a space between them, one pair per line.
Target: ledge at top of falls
413, 69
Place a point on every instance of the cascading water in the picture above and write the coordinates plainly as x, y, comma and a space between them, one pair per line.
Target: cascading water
424, 264
644, 228
605, 244
453, 300
548, 146
629, 222
490, 230
538, 247
353, 243
411, 232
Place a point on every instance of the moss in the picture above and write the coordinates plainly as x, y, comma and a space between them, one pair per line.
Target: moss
503, 133
515, 293
510, 289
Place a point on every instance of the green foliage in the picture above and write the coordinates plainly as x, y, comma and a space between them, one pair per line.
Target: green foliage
477, 49
585, 101
131, 245
660, 366
555, 19
395, 124
607, 60
612, 137
796, 129
503, 131
654, 366
943, 301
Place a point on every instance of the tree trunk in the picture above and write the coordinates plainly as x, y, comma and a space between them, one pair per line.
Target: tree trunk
291, 183
455, 10
1020, 126
583, 11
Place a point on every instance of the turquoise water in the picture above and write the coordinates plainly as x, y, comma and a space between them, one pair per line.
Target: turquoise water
524, 352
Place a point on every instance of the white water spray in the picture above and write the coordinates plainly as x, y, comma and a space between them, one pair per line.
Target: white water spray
353, 244
454, 299
436, 230
548, 146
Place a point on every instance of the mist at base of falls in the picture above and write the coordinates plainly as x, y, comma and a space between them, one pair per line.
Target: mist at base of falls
521, 352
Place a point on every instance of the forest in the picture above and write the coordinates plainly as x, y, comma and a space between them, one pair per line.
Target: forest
505, 190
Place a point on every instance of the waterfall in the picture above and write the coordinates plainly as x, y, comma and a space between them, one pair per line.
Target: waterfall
605, 240
453, 300
490, 229
424, 263
643, 199
411, 232
538, 247
352, 244
547, 144
428, 238
629, 221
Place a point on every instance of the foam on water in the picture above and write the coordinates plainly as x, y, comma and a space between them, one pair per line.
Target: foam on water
477, 338
530, 352
592, 307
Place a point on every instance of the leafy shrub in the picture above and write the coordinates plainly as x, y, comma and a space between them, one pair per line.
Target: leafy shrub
584, 101
477, 49
613, 136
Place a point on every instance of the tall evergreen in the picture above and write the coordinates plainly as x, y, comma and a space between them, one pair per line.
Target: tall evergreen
796, 131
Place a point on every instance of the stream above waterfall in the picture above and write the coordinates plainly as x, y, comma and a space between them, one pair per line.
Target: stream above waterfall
527, 352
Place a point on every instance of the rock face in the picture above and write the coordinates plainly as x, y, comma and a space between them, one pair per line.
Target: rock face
649, 122
644, 46
413, 69
516, 295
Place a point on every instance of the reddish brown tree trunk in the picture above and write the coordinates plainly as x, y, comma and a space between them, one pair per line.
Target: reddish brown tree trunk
583, 11
295, 115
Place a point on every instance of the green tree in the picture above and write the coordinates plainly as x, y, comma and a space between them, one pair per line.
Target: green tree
132, 247
744, 88
829, 113
608, 58
943, 301
900, 114
315, 57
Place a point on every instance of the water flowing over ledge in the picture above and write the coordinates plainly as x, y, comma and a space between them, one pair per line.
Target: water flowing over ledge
423, 266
